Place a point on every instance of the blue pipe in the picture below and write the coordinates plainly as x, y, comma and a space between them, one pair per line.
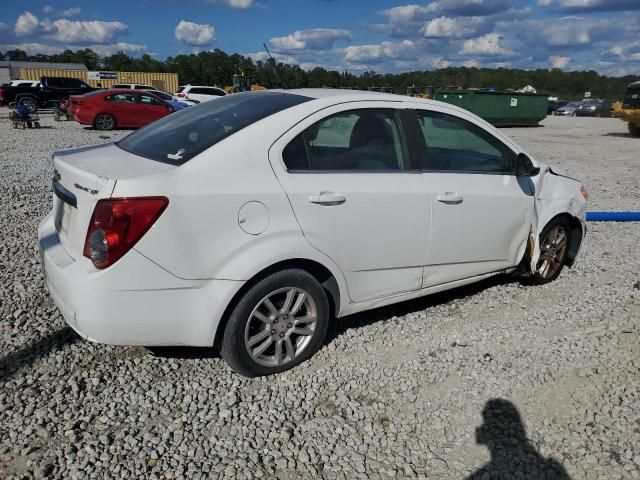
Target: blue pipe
613, 216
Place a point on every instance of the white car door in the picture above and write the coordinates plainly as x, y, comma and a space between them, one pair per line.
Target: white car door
481, 212
356, 196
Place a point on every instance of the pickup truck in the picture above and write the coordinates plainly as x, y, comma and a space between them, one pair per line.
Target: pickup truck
51, 90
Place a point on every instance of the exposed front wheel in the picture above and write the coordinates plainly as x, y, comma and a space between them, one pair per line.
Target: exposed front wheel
554, 247
104, 121
634, 129
279, 323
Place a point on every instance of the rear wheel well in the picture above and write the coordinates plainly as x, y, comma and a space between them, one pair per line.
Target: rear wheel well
317, 270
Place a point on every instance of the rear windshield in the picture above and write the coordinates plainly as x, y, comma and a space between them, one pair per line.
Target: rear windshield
179, 89
179, 137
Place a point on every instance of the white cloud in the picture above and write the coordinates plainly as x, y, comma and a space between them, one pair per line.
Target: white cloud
458, 27
241, 4
27, 24
557, 61
71, 12
110, 49
85, 31
194, 33
472, 62
68, 31
313, 39
488, 45
378, 53
545, 3
32, 48
48, 9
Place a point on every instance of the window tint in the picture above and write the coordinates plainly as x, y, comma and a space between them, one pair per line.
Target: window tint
122, 97
120, 85
179, 137
149, 100
362, 140
144, 87
162, 95
72, 83
55, 82
454, 144
179, 89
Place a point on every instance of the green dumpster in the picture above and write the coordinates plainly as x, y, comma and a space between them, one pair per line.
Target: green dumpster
499, 108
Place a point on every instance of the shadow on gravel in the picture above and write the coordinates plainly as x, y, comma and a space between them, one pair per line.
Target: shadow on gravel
618, 134
26, 356
184, 353
512, 455
338, 326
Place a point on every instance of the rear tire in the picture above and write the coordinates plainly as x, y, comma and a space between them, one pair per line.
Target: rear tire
278, 323
104, 121
634, 129
554, 248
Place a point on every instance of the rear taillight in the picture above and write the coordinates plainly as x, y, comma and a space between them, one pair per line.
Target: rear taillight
117, 224
1, 94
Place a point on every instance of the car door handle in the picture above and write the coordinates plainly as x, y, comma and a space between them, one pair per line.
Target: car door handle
328, 198
450, 198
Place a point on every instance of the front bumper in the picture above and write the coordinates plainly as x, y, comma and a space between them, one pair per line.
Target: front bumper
133, 302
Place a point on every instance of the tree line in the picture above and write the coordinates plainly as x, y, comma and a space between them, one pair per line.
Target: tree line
217, 68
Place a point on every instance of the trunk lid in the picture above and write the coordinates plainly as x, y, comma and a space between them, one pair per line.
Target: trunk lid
82, 177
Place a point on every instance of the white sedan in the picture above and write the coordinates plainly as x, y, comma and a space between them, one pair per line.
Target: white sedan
250, 222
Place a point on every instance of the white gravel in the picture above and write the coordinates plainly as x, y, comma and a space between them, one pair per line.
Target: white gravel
395, 393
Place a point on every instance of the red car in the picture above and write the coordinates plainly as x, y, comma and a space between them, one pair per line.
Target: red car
118, 108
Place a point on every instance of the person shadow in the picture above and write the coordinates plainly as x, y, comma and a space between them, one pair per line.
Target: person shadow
512, 454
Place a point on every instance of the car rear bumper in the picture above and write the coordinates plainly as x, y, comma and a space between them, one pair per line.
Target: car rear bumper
133, 302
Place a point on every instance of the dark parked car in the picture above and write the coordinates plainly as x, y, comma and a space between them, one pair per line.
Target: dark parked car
594, 108
555, 105
123, 108
50, 91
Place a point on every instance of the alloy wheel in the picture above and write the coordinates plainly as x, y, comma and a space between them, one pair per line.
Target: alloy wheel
104, 122
552, 252
281, 327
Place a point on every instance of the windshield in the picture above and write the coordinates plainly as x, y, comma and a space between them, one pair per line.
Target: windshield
179, 137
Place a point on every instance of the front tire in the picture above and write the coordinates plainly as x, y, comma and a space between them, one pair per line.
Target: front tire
634, 130
554, 248
104, 121
278, 323
30, 102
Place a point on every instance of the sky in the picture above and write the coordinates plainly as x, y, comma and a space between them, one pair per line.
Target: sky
352, 35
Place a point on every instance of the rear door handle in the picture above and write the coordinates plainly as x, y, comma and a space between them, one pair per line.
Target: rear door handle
328, 198
450, 198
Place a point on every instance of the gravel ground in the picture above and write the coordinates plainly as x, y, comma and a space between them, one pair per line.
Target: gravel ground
496, 378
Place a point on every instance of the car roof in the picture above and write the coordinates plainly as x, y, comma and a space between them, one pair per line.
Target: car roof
199, 86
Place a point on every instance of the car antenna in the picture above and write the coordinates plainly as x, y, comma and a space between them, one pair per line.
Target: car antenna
275, 68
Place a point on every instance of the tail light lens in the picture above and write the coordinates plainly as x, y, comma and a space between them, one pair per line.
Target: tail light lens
117, 224
1, 94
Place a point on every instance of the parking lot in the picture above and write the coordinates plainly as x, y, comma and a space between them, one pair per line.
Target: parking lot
500, 376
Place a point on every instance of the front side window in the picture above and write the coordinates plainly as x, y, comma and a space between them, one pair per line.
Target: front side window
454, 144
360, 140
122, 98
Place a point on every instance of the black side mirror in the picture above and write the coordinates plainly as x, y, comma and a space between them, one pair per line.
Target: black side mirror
525, 167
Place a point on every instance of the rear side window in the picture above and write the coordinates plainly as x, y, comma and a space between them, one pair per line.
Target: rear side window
356, 140
179, 137
456, 145
150, 100
144, 87
179, 89
120, 85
